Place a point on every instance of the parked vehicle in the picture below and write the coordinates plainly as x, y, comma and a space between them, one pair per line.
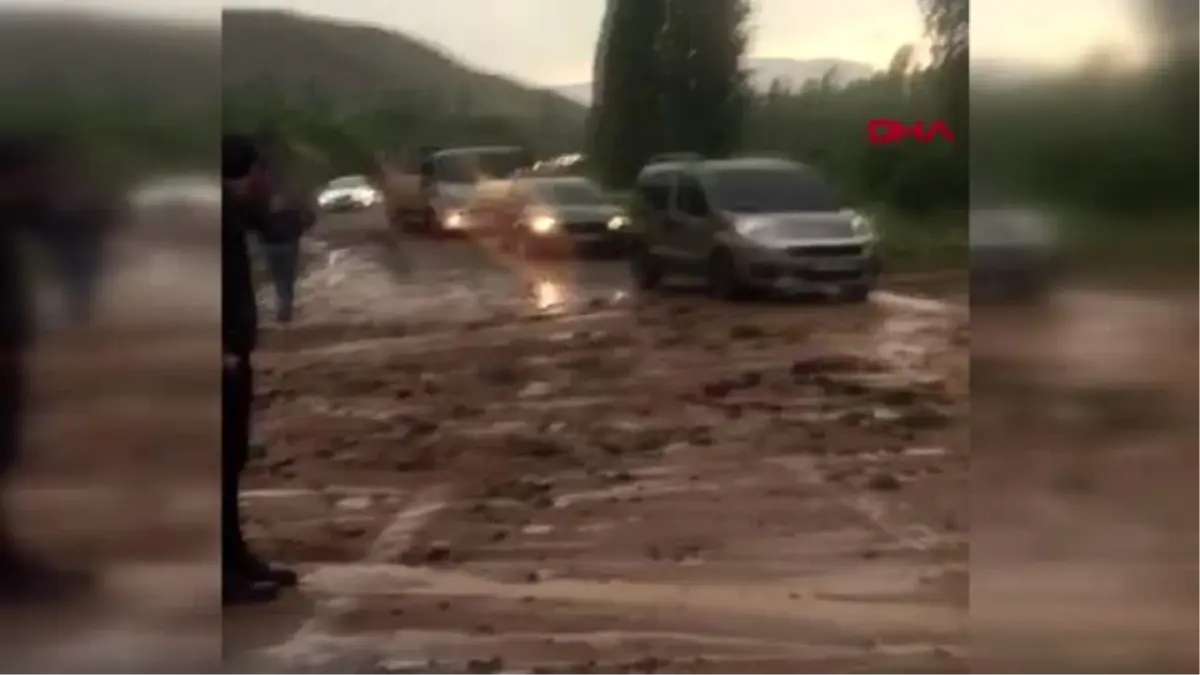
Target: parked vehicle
748, 224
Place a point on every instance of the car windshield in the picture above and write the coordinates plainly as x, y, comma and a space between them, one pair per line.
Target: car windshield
770, 191
346, 182
471, 167
570, 193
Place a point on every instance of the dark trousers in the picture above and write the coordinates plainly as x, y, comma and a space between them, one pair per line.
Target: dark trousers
237, 400
80, 267
283, 260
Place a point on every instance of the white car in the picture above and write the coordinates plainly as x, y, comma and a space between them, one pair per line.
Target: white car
176, 208
348, 193
201, 192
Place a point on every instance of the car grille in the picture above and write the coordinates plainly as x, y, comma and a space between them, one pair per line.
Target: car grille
585, 228
827, 250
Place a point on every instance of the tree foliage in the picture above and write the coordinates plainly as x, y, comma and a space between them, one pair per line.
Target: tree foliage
704, 93
627, 119
673, 82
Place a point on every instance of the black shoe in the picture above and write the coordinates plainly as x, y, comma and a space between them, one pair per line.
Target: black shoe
25, 579
238, 589
260, 571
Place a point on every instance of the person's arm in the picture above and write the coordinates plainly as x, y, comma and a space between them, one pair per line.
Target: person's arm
307, 217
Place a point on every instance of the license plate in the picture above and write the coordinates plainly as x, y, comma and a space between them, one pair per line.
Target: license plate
588, 238
835, 265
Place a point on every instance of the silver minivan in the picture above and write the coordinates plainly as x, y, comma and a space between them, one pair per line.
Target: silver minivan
749, 224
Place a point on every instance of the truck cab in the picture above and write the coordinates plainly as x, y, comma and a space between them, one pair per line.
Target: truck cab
431, 194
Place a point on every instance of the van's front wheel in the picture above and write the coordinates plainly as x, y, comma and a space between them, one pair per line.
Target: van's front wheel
724, 281
645, 266
860, 292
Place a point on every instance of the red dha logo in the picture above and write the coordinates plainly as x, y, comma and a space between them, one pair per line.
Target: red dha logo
892, 131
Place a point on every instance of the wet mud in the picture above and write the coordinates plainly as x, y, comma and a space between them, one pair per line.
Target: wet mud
487, 464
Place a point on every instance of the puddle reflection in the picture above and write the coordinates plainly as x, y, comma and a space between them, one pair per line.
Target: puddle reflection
899, 340
549, 295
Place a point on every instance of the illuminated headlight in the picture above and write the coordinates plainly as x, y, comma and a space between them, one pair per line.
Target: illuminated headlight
617, 223
543, 224
750, 227
861, 226
453, 220
324, 199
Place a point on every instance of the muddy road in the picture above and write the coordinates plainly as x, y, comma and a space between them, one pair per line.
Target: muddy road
488, 465
482, 465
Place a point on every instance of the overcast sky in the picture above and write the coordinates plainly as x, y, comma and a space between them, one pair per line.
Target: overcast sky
550, 42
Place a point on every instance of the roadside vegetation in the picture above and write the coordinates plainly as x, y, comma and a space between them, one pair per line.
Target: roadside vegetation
1109, 149
1107, 145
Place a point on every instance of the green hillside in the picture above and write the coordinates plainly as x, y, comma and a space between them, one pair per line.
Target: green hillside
380, 86
46, 53
133, 93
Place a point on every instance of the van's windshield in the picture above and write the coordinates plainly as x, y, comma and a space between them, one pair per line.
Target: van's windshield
472, 167
570, 192
770, 190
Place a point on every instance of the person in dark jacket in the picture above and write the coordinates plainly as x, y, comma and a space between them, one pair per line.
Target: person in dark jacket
280, 243
80, 230
29, 173
245, 210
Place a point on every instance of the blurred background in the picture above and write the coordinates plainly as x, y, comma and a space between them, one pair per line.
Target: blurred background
1083, 354
117, 478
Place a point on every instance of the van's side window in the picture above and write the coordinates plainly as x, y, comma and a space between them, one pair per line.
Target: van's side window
656, 191
689, 197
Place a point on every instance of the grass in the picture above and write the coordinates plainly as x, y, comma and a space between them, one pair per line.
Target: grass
1143, 248
935, 243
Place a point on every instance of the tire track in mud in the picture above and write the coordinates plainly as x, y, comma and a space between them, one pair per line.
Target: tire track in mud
313, 645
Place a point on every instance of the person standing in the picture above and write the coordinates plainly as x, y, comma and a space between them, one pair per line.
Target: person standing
30, 178
79, 231
245, 210
280, 242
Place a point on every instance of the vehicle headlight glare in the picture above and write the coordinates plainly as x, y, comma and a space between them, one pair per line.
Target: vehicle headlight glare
750, 228
617, 223
543, 224
861, 225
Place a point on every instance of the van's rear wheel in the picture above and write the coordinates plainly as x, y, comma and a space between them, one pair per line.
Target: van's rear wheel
646, 267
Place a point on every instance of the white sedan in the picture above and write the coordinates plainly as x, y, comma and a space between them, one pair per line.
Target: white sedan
348, 193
